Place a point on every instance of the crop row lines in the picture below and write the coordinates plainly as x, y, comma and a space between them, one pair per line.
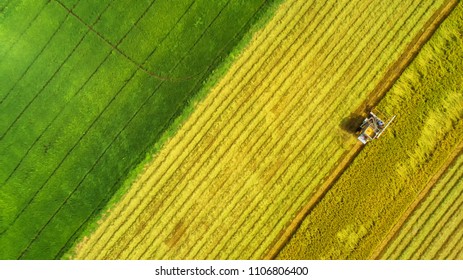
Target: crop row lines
148, 145
53, 121
111, 232
224, 130
293, 177
21, 34
363, 232
62, 109
451, 204
40, 92
449, 245
75, 143
457, 247
139, 66
310, 133
429, 205
29, 67
331, 104
107, 106
242, 136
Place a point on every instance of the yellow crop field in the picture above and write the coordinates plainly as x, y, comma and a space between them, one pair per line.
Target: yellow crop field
360, 212
265, 138
435, 228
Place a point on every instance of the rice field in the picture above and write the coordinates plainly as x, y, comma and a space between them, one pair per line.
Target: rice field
87, 89
264, 138
435, 228
363, 206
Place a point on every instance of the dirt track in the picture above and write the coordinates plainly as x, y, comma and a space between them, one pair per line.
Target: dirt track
394, 72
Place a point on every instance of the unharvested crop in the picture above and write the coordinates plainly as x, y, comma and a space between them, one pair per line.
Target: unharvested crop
361, 208
434, 230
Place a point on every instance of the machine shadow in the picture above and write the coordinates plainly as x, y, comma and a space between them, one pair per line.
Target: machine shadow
352, 123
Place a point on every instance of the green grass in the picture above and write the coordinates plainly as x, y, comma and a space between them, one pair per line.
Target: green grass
77, 116
365, 203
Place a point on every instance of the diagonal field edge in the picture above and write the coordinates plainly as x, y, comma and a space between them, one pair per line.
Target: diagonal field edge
134, 116
202, 163
318, 130
280, 242
196, 87
258, 139
429, 29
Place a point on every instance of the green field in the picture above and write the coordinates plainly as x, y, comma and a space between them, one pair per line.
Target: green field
359, 210
87, 88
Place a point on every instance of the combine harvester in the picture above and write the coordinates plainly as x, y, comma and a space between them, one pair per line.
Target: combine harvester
372, 127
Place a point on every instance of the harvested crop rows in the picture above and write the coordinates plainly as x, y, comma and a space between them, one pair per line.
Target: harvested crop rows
264, 138
435, 228
361, 209
87, 88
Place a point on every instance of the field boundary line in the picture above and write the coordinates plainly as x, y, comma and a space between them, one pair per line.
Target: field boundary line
227, 177
316, 135
197, 85
394, 72
329, 171
208, 69
116, 48
97, 118
251, 121
429, 30
150, 175
113, 234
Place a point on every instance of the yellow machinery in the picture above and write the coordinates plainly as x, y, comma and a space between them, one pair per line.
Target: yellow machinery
372, 127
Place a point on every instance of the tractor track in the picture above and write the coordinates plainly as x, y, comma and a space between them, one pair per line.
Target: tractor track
394, 72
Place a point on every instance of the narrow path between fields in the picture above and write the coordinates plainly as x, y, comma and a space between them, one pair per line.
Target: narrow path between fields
394, 72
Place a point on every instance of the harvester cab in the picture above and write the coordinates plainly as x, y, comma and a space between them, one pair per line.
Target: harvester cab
372, 127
